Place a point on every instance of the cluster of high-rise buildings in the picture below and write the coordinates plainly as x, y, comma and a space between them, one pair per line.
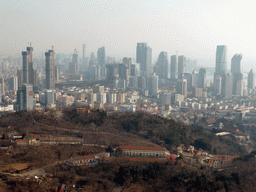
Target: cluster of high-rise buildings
167, 81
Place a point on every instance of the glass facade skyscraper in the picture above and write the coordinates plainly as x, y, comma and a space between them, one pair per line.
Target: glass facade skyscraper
221, 60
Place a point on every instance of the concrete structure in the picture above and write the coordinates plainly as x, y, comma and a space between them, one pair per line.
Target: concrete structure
163, 66
181, 65
13, 83
221, 60
25, 98
174, 67
152, 85
202, 78
182, 86
251, 80
144, 57
101, 57
144, 151
49, 69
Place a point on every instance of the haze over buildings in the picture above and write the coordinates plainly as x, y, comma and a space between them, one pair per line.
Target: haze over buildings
118, 25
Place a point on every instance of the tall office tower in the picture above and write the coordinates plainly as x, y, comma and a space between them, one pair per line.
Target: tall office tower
30, 65
73, 66
144, 57
123, 71
84, 52
19, 74
182, 86
152, 85
49, 69
111, 72
2, 85
25, 67
181, 66
135, 69
174, 67
217, 85
92, 59
236, 63
221, 60
189, 78
227, 83
250, 80
35, 83
163, 66
101, 57
13, 83
236, 71
25, 97
127, 62
201, 78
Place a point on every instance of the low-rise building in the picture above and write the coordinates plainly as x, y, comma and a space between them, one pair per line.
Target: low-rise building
144, 151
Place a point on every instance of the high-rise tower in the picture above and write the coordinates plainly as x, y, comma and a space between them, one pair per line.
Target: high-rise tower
49, 69
144, 57
101, 57
251, 80
173, 67
221, 60
236, 71
27, 66
163, 67
181, 65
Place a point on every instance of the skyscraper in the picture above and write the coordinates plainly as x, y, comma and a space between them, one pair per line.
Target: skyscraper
49, 69
73, 66
221, 60
173, 67
236, 71
163, 68
84, 51
236, 63
217, 85
227, 82
25, 97
182, 86
251, 80
13, 83
144, 57
101, 57
201, 78
20, 79
181, 65
27, 67
152, 85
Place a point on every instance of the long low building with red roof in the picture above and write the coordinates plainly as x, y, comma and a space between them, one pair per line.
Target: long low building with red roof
159, 152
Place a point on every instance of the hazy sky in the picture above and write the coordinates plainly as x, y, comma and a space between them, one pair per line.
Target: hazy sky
193, 27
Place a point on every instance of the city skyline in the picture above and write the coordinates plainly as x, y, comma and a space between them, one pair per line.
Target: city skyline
192, 28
